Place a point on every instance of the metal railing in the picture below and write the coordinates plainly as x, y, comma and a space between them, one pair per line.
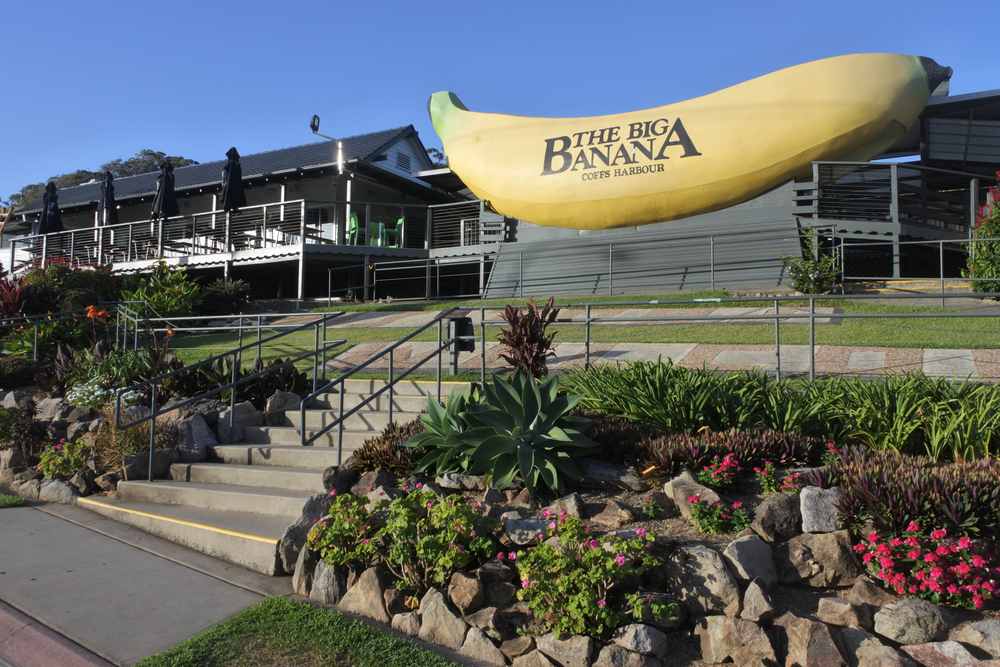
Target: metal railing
394, 379
320, 349
36, 322
297, 222
411, 279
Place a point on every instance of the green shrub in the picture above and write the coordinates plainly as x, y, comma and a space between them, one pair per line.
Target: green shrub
7, 500
167, 289
810, 274
224, 297
983, 261
18, 371
63, 460
717, 517
386, 450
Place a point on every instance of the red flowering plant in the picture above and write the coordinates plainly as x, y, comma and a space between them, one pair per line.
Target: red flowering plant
983, 263
722, 474
934, 567
718, 517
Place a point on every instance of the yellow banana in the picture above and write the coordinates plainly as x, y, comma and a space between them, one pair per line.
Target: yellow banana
687, 158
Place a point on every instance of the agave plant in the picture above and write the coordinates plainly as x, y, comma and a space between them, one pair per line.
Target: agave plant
444, 426
523, 429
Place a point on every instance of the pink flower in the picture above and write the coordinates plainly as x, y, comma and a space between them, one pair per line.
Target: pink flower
562, 513
430, 504
620, 559
640, 531
938, 534
419, 485
600, 603
594, 544
500, 556
912, 527
736, 506
695, 498
512, 556
472, 534
552, 525
525, 583
366, 540
546, 512
964, 542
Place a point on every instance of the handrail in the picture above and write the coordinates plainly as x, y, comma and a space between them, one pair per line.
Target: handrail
236, 354
37, 320
393, 380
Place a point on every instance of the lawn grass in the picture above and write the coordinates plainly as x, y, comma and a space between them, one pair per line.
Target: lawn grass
7, 500
940, 333
278, 632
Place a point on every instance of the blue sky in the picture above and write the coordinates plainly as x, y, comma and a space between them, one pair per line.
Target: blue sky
89, 83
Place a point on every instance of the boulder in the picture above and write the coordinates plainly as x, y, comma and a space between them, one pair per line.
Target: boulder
11, 458
305, 570
672, 622
58, 491
466, 592
77, 430
136, 466
615, 514
572, 504
496, 570
194, 437
281, 401
518, 646
294, 537
819, 509
339, 479
573, 651
493, 497
479, 647
208, 408
491, 622
533, 659
80, 414
407, 623
84, 481
911, 621
817, 559
499, 593
941, 654
52, 409
723, 638
29, 475
371, 480
10, 400
329, 583
381, 494
616, 656
6, 477
870, 592
456, 481
525, 532
641, 639
757, 605
604, 475
984, 635
698, 576
853, 639
108, 481
835, 611
685, 486
29, 490
438, 623
242, 416
882, 656
751, 558
778, 517
809, 643
367, 596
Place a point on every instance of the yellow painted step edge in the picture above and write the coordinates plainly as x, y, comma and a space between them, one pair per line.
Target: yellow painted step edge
192, 524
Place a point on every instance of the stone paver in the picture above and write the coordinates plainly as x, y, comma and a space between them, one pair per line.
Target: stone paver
949, 363
865, 361
646, 352
794, 359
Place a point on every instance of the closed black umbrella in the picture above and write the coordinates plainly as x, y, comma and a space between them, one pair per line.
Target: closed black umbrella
107, 212
165, 201
50, 220
232, 183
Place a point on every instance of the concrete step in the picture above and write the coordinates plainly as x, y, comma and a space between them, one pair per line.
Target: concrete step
403, 388
289, 436
269, 477
248, 540
381, 403
280, 456
222, 497
359, 421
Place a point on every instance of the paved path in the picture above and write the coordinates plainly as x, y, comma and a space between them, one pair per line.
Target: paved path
77, 589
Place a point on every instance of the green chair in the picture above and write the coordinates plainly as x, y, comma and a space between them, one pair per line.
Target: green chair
352, 230
392, 234
375, 228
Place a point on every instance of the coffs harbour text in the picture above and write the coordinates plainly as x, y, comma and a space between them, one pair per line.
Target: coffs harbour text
621, 149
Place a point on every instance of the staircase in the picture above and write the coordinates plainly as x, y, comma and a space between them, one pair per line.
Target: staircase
237, 506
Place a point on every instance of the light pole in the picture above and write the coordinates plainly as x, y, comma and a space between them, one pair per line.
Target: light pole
314, 126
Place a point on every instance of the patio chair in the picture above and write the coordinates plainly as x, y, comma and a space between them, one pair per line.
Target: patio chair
392, 233
375, 228
352, 230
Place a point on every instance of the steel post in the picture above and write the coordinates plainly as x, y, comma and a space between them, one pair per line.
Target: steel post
777, 344
390, 385
586, 338
152, 430
812, 338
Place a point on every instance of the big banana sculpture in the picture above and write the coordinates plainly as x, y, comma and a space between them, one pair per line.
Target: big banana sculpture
686, 158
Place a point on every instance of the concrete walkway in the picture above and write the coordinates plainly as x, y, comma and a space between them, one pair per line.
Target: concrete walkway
79, 589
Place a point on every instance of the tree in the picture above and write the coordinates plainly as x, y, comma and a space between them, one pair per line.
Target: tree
143, 162
437, 157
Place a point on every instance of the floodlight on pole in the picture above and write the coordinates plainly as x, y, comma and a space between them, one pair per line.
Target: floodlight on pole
314, 126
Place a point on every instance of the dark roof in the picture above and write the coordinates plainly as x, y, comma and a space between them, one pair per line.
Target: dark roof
363, 147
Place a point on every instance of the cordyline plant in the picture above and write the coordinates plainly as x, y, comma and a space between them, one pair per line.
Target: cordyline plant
984, 259
526, 341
